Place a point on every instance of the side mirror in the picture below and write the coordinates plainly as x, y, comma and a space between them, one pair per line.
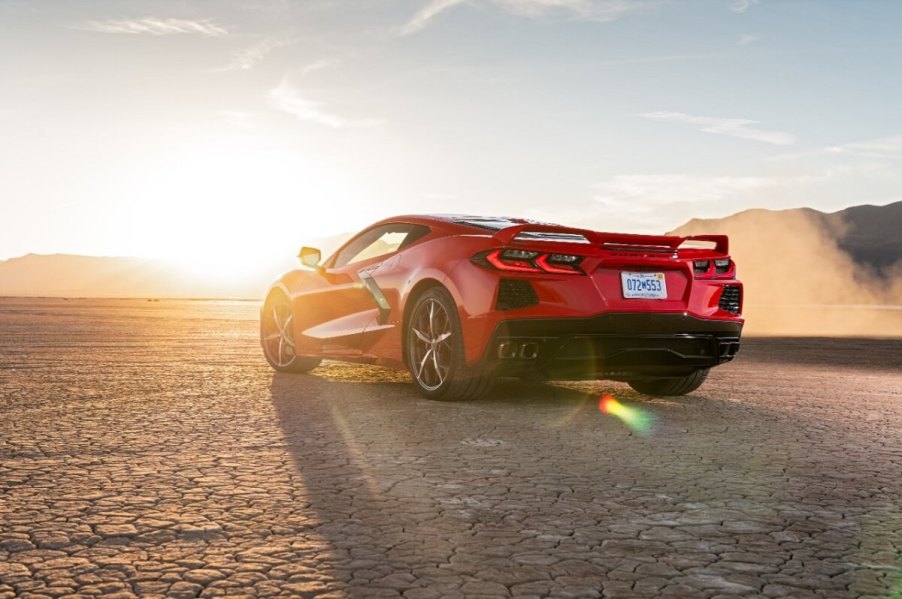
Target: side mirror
310, 257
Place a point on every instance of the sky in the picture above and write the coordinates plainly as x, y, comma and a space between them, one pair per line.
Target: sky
218, 132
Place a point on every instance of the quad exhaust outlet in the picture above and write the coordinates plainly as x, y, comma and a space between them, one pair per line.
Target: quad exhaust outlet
511, 350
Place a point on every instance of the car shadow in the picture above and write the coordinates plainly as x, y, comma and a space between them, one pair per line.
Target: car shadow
402, 490
395, 484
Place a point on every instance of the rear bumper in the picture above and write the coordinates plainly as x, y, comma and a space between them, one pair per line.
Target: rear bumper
617, 346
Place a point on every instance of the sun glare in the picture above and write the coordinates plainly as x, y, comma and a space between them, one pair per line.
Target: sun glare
230, 210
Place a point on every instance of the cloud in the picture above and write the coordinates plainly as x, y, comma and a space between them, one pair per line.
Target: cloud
290, 99
248, 57
589, 10
724, 126
748, 39
155, 26
740, 6
655, 191
427, 13
882, 149
653, 203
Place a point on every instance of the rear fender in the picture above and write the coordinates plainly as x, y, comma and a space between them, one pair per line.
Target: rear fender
474, 290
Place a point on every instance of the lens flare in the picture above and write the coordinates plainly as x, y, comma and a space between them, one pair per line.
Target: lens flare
634, 418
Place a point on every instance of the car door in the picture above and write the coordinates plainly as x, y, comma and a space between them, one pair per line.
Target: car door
350, 301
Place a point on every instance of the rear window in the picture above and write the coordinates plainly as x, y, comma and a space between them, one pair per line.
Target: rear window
545, 236
497, 224
493, 224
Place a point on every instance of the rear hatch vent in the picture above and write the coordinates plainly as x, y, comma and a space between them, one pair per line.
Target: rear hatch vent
515, 293
731, 298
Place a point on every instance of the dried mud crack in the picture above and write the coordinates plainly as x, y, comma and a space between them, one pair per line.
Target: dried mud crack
147, 449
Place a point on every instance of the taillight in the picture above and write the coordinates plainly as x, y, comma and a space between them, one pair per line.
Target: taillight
530, 261
562, 263
721, 268
513, 260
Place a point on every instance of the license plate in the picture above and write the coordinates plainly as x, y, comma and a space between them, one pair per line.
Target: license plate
643, 285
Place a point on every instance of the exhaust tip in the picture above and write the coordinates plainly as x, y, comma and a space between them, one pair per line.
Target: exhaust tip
529, 351
507, 350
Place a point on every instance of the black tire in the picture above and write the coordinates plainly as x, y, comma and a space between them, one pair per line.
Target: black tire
435, 350
680, 385
277, 337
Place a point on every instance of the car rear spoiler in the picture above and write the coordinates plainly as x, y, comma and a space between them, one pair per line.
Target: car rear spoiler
721, 242
609, 241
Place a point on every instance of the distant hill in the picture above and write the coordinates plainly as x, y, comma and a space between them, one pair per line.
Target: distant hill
785, 257
796, 264
66, 275
77, 276
870, 235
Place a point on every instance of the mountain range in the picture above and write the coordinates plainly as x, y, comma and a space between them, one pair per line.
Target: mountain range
804, 256
796, 257
810, 273
870, 235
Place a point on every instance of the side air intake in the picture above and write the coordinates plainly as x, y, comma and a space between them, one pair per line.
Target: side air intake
731, 298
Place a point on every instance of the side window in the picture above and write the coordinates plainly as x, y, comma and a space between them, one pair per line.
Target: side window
386, 243
380, 241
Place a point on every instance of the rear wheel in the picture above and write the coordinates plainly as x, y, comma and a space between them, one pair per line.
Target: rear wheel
435, 350
680, 385
277, 337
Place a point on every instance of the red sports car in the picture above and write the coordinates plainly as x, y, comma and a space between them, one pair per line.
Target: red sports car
462, 300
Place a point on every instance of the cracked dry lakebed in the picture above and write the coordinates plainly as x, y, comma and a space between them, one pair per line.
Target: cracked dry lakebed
146, 448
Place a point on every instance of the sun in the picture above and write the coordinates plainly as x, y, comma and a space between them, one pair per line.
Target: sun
229, 209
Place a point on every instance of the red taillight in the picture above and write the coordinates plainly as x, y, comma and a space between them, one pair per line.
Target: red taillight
512, 263
530, 261
561, 263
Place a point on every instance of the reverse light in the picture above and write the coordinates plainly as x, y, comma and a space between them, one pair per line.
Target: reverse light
722, 265
518, 255
515, 260
718, 267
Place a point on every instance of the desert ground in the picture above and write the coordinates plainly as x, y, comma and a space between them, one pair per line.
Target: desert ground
146, 448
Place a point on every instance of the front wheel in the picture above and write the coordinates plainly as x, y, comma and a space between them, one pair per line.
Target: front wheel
680, 385
435, 350
277, 337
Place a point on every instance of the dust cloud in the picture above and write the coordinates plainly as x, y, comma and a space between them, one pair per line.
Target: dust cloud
798, 281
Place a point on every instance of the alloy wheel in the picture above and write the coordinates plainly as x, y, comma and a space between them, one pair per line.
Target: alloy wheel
429, 340
278, 338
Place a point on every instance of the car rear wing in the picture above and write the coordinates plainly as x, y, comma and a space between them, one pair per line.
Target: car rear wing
629, 242
721, 242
